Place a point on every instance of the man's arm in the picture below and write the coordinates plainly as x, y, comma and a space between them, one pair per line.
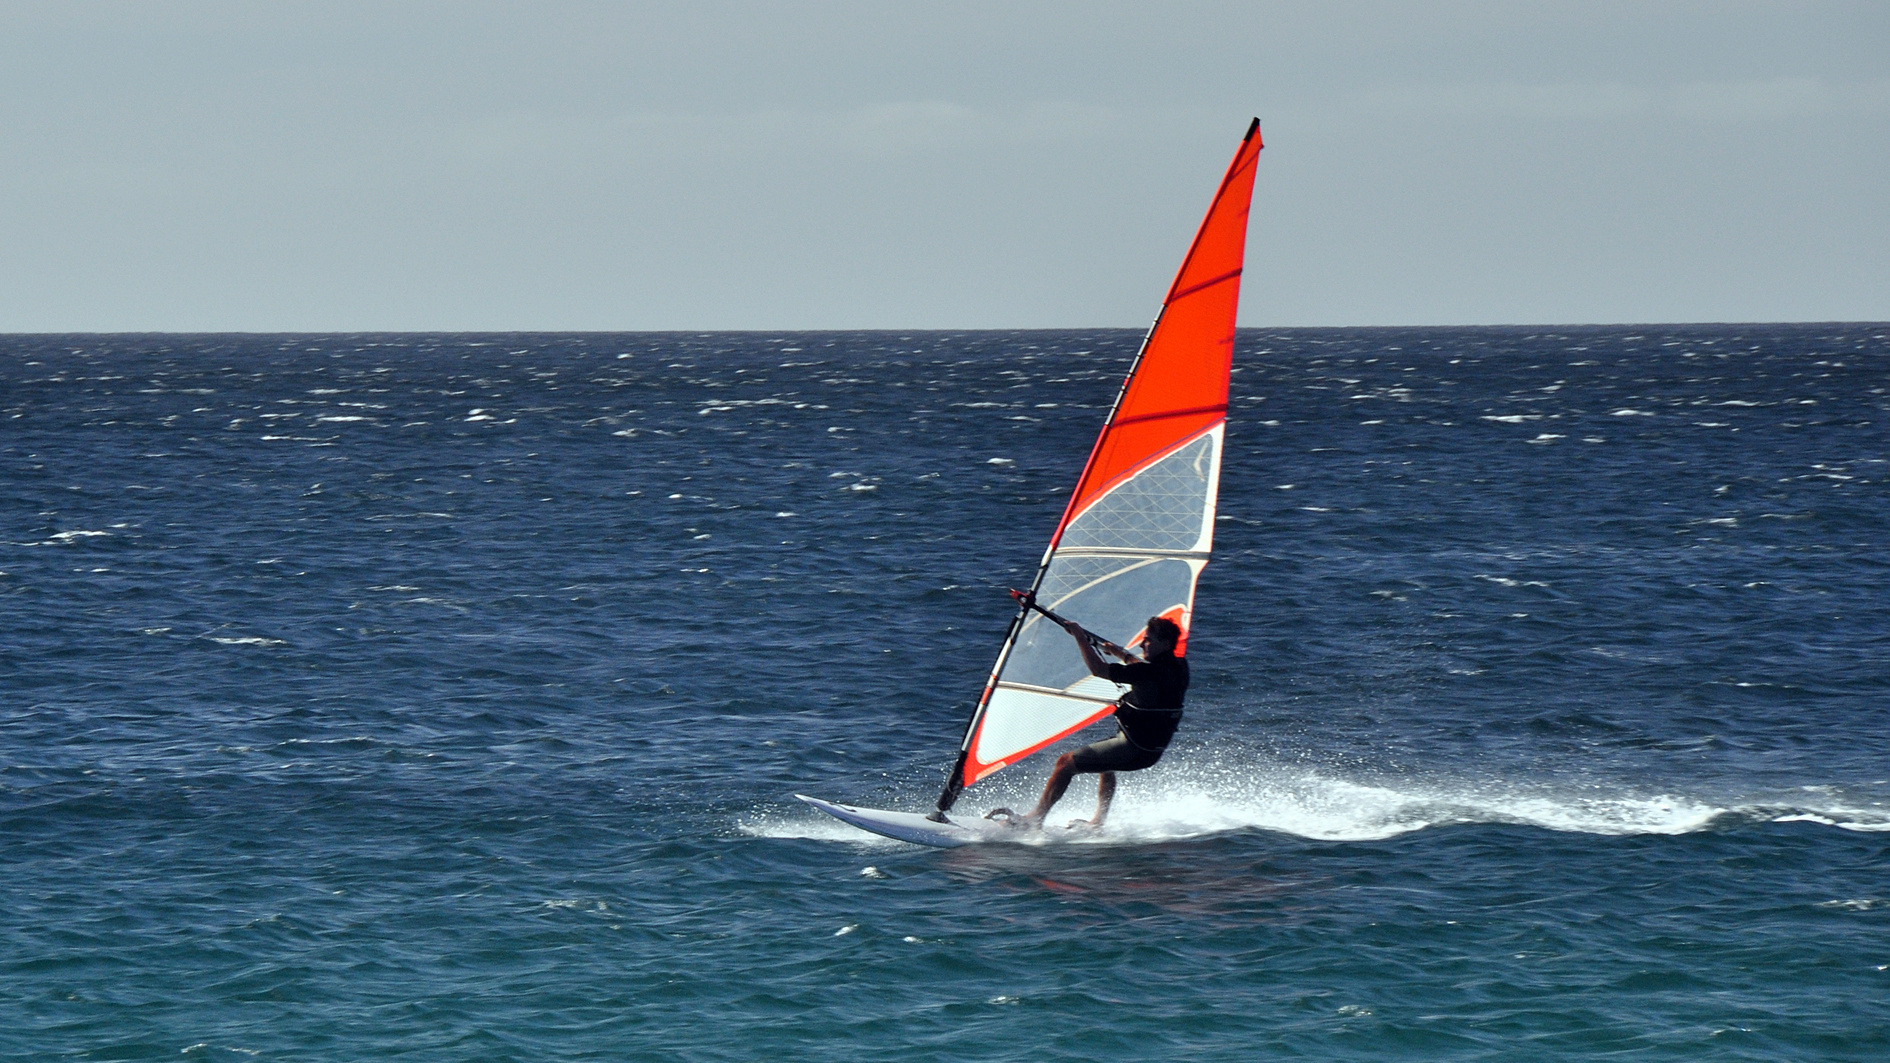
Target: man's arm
1097, 666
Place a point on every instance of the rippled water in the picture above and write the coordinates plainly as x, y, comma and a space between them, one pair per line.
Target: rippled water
443, 697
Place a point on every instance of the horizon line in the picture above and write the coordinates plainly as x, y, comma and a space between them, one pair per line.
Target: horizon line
889, 329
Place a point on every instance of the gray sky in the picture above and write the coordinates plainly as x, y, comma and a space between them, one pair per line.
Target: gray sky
567, 165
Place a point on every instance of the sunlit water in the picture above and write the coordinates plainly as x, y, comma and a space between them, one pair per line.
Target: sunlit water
444, 697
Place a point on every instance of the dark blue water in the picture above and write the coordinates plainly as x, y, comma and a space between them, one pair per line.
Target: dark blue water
443, 697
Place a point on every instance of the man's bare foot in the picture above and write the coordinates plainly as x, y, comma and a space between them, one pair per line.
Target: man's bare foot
1084, 824
1013, 820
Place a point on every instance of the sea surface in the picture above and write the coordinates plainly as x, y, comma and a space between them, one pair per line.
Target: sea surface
443, 697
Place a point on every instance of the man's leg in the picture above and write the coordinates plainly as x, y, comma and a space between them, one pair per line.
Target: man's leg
1060, 778
1105, 793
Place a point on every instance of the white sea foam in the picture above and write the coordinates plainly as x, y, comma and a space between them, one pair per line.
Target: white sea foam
1868, 820
1313, 805
1310, 805
1192, 800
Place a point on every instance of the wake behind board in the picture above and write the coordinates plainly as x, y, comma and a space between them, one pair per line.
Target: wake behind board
912, 827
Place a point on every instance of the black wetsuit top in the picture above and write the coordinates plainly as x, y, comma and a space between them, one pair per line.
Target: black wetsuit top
1149, 713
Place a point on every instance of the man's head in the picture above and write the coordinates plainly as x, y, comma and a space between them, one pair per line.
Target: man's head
1161, 635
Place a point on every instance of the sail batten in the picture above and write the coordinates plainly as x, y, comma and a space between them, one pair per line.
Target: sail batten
1152, 555
1209, 283
1139, 526
1065, 694
1219, 408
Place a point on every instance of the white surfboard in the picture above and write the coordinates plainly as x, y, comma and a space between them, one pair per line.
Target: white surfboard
912, 827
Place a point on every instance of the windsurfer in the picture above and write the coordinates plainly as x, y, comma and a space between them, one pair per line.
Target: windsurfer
1146, 718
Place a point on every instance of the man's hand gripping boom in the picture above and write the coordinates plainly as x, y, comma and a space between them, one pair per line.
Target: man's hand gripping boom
1083, 635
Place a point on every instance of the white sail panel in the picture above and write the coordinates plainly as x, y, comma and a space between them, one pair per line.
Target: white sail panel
1168, 506
1043, 690
1112, 596
1135, 552
1017, 721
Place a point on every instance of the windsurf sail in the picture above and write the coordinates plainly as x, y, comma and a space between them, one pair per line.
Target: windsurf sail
1139, 526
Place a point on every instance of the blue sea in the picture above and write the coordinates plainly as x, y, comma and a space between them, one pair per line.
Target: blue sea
443, 697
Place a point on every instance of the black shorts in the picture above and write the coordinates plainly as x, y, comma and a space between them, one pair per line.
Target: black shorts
1114, 754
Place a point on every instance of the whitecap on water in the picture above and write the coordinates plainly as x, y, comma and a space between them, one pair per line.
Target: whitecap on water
68, 536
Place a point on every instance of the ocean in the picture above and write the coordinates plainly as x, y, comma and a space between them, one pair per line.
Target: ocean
443, 697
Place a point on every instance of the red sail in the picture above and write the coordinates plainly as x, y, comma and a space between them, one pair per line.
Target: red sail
1179, 384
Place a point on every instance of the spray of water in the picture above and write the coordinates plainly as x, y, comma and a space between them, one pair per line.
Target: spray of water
1193, 799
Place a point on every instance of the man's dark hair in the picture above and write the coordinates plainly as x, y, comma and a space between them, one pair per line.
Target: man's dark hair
1163, 628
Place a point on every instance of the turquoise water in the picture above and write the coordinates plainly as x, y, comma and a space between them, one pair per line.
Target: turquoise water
443, 697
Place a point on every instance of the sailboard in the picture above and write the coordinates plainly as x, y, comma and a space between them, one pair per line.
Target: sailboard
944, 832
1133, 538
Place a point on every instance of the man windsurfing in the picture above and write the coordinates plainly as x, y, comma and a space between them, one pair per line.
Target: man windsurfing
1146, 718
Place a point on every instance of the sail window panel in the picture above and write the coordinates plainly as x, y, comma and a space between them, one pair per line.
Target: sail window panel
1068, 576
1163, 507
1113, 597
1017, 720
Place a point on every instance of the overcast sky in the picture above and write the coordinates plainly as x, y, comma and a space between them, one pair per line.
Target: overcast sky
388, 165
